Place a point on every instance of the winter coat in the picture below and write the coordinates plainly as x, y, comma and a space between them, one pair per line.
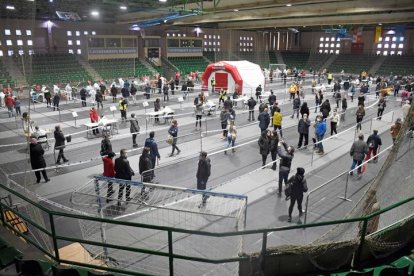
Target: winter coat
125, 92
134, 127
304, 109
114, 91
277, 119
56, 99
109, 167
93, 114
145, 165
303, 126
285, 158
157, 106
106, 147
344, 103
204, 168
98, 96
123, 169
374, 141
36, 156
325, 108
152, 145
59, 139
274, 140
83, 93
299, 185
320, 128
264, 120
358, 150
271, 99
296, 103
224, 117
395, 129
382, 105
264, 144
133, 90
251, 103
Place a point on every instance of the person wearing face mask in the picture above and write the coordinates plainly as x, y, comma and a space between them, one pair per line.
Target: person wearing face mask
285, 153
123, 171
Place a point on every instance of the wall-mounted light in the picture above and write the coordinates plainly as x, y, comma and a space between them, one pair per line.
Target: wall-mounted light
9, 7
124, 8
95, 13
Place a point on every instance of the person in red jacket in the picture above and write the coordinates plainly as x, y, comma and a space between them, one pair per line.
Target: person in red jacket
109, 171
93, 114
9, 101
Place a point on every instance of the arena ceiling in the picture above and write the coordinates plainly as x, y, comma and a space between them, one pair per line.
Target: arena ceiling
226, 14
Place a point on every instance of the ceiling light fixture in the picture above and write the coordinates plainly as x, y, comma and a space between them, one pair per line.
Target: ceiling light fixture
94, 13
10, 7
379, 24
235, 10
163, 1
288, 5
124, 8
165, 21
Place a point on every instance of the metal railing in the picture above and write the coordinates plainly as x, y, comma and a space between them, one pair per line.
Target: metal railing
51, 216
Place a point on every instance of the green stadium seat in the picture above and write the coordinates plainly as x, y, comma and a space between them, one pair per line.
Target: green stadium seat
33, 267
8, 255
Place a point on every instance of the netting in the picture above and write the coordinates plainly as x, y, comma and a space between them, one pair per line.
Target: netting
274, 66
157, 205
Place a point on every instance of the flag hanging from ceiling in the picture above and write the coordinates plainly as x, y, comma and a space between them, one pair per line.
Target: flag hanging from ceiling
378, 34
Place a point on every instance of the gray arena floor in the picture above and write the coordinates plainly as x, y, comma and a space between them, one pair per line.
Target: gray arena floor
236, 173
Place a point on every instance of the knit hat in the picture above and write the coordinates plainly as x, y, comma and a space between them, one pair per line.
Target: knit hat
300, 171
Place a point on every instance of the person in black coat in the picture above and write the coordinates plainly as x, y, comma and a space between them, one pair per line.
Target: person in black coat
303, 129
106, 146
123, 171
264, 145
304, 109
298, 187
285, 153
60, 144
83, 94
145, 169
37, 160
325, 108
264, 120
56, 100
203, 173
114, 91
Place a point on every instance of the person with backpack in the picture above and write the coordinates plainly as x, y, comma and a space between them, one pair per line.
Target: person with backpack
298, 186
338, 98
274, 141
286, 154
114, 91
134, 129
303, 129
374, 142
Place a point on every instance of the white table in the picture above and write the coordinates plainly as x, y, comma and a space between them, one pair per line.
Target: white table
109, 125
242, 100
166, 112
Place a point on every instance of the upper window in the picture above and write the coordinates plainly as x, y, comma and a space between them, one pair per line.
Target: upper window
7, 32
69, 33
77, 33
30, 42
18, 32
20, 42
9, 43
28, 32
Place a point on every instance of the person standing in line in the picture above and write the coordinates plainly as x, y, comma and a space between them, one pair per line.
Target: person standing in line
9, 102
56, 100
360, 113
93, 115
114, 91
154, 154
125, 93
106, 145
37, 160
172, 86
123, 171
83, 94
303, 129
157, 107
358, 151
48, 97
60, 144
277, 121
109, 171
147, 90
286, 154
251, 103
123, 109
335, 119
344, 107
198, 102
99, 99
274, 141
17, 106
264, 146
203, 173
231, 136
299, 186
264, 120
133, 93
381, 107
173, 131
374, 142
165, 92
134, 129
222, 96
361, 99
325, 108
395, 129
213, 84
272, 98
145, 170
304, 109
296, 107
259, 93
337, 97
224, 117
320, 130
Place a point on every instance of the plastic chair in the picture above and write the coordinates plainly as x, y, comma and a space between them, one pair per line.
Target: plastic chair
33, 267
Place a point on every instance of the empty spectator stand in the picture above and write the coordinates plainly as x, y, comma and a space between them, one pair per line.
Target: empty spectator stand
120, 68
397, 65
5, 78
352, 63
297, 60
189, 64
